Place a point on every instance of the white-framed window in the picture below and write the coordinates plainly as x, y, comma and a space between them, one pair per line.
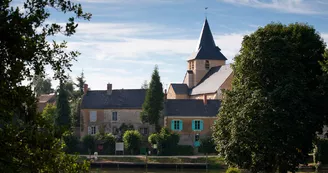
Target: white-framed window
93, 130
114, 116
144, 131
93, 116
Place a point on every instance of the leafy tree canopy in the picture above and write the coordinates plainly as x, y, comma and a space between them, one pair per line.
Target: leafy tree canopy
278, 101
25, 52
42, 85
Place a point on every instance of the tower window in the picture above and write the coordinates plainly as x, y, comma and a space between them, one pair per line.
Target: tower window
192, 65
207, 64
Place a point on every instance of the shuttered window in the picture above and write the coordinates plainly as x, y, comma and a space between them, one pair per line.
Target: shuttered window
176, 125
197, 125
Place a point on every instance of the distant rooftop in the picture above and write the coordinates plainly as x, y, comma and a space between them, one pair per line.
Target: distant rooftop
118, 99
191, 108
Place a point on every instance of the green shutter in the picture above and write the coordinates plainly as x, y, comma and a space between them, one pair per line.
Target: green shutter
193, 125
172, 125
201, 125
180, 124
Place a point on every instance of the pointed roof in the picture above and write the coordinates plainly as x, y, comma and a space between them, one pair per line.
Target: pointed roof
206, 48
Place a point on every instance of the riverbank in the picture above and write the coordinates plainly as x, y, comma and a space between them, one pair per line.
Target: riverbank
192, 162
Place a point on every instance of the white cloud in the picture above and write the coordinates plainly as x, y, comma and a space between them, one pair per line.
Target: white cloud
288, 6
125, 53
325, 37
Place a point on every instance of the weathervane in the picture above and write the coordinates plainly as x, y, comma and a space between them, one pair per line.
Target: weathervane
206, 12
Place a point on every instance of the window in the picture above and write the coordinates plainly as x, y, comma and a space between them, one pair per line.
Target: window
93, 130
114, 116
197, 124
93, 116
197, 137
207, 64
144, 131
192, 65
176, 125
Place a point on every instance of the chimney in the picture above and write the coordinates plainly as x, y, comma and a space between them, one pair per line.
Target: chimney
109, 89
205, 99
85, 88
165, 95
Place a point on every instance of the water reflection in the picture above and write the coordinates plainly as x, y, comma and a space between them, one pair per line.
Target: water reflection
155, 171
138, 170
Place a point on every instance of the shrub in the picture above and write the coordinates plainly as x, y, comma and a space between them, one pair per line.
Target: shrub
132, 141
89, 143
233, 170
108, 142
167, 142
207, 145
185, 150
321, 151
72, 143
153, 138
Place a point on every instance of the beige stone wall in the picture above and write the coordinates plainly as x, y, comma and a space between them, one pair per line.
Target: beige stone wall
171, 95
200, 70
211, 96
104, 120
187, 135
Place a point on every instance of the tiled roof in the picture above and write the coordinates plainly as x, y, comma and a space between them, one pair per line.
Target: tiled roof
213, 80
46, 98
191, 108
180, 88
206, 48
119, 99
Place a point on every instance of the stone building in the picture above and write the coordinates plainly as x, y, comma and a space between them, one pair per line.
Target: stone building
192, 106
192, 119
45, 99
207, 72
107, 110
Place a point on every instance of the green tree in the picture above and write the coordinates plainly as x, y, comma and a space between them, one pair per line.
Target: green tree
132, 141
80, 84
267, 122
89, 143
63, 121
145, 85
42, 85
167, 141
207, 145
108, 142
25, 50
49, 113
153, 105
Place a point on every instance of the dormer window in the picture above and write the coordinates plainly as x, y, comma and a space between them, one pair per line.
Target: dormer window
207, 65
192, 65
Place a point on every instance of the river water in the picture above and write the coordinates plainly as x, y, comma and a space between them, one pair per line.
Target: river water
130, 170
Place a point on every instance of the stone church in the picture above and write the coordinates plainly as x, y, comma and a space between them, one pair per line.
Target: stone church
207, 72
192, 106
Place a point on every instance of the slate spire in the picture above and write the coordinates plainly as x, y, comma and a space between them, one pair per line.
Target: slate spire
206, 48
206, 38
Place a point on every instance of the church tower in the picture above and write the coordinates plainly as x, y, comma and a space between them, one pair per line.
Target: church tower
206, 56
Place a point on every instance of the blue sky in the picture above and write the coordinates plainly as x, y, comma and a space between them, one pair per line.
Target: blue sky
126, 38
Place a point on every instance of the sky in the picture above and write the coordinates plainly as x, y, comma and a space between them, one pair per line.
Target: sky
125, 39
